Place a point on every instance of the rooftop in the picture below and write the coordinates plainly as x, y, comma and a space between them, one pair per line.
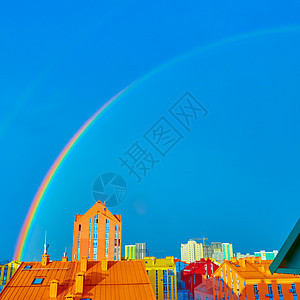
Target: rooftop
118, 280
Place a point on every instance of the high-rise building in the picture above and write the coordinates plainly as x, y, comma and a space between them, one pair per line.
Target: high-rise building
227, 251
209, 250
162, 274
250, 279
97, 234
191, 251
266, 255
7, 269
140, 250
130, 252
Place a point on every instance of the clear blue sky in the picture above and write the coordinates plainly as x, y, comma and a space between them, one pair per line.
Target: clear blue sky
233, 178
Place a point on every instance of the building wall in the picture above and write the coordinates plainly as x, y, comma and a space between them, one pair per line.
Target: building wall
266, 255
90, 232
229, 284
192, 274
202, 296
141, 250
162, 275
6, 272
191, 251
130, 252
227, 251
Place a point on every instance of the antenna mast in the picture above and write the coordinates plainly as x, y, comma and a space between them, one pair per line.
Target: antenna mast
46, 246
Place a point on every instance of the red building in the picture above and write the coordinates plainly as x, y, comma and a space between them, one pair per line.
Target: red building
192, 274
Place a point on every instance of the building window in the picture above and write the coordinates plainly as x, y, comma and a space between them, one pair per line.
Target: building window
11, 270
28, 267
156, 272
280, 292
165, 284
293, 290
256, 293
90, 237
37, 280
95, 241
79, 234
271, 297
4, 275
106, 238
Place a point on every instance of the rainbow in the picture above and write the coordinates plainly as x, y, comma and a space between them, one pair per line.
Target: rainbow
26, 228
24, 233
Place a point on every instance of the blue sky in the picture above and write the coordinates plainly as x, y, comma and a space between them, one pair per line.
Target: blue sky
233, 178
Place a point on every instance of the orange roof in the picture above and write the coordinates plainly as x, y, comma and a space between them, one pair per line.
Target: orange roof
251, 268
122, 280
98, 207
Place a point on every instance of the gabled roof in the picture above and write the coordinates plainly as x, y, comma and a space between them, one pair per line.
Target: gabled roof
254, 270
121, 280
97, 208
287, 260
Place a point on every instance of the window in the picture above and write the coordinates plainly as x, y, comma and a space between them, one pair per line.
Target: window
37, 280
156, 284
270, 292
90, 237
11, 270
95, 241
4, 275
28, 267
256, 293
280, 292
106, 238
293, 290
79, 234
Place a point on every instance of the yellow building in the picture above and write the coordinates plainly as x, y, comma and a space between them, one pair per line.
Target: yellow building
162, 274
6, 272
130, 251
191, 251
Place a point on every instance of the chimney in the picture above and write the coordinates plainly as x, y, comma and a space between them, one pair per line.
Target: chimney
104, 264
258, 259
65, 259
250, 259
242, 262
79, 281
45, 259
234, 260
53, 288
83, 264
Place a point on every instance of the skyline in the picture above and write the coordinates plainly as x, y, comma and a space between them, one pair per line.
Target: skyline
238, 162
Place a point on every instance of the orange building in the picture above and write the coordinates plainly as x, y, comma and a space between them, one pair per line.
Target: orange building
77, 280
250, 279
97, 234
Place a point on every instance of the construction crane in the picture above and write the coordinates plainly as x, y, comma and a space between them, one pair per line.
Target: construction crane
203, 239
